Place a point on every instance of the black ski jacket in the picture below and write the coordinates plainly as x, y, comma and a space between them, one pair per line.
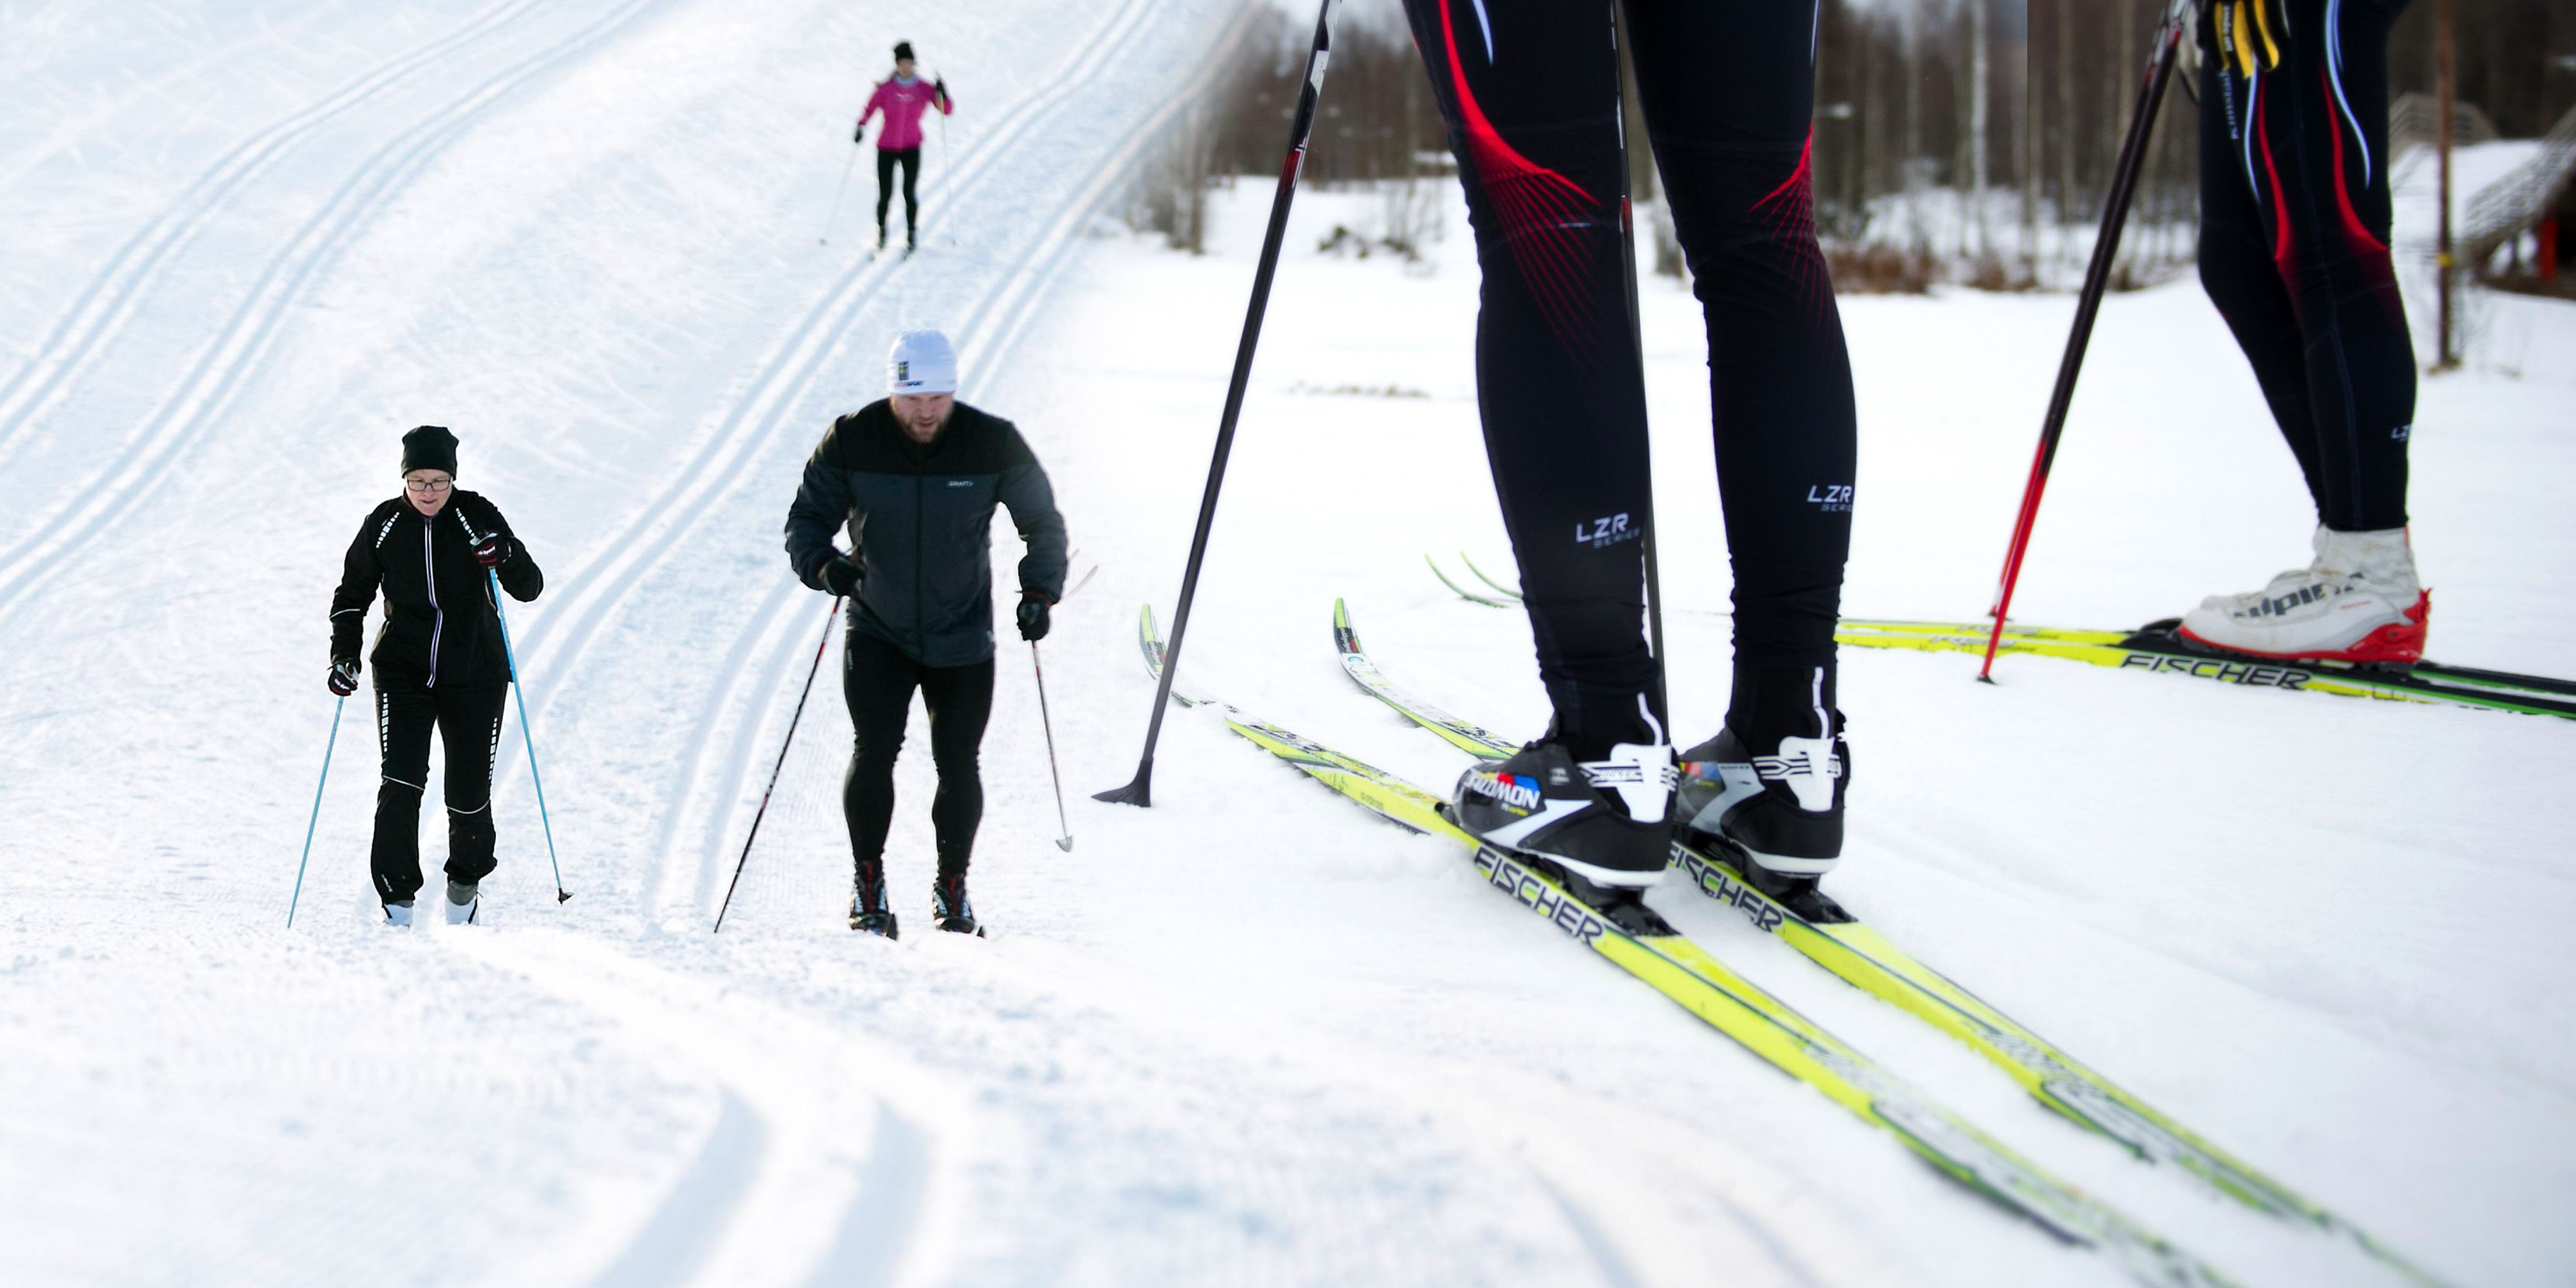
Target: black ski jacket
920, 520
441, 629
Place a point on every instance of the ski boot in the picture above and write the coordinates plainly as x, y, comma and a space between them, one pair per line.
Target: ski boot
1601, 826
868, 909
398, 914
949, 908
2359, 602
464, 900
881, 239
1777, 816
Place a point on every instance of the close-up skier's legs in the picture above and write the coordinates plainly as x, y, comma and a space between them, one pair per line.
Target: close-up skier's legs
2296, 214
1728, 91
1533, 106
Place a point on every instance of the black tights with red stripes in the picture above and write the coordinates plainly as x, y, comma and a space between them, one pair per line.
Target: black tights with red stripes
1530, 91
2294, 246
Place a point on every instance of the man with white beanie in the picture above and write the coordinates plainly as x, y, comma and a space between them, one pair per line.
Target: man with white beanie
914, 478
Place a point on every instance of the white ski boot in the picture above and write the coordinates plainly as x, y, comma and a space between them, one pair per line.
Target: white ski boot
2359, 602
463, 902
398, 914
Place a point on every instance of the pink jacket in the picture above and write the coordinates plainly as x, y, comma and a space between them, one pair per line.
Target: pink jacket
902, 102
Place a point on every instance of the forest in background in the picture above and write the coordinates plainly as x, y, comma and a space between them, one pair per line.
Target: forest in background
1960, 140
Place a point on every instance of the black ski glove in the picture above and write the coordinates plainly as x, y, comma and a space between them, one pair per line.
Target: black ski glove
860, 134
1033, 616
344, 676
496, 550
840, 576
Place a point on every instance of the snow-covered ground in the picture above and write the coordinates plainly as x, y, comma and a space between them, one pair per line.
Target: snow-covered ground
1251, 1035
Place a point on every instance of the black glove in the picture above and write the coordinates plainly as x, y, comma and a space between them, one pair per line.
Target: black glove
840, 576
860, 134
1033, 616
496, 550
344, 676
940, 87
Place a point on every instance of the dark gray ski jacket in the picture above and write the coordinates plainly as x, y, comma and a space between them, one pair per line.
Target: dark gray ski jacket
920, 519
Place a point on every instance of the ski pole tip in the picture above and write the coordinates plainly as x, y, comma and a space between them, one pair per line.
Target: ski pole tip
1064, 843
562, 896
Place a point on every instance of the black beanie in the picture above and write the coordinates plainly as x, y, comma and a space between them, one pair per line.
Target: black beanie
902, 50
429, 447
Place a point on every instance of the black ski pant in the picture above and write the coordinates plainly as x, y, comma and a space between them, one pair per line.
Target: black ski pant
468, 721
1532, 103
2294, 221
887, 160
878, 680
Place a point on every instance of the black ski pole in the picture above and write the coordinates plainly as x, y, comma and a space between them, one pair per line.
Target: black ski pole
783, 745
1637, 333
1064, 842
1140, 791
2097, 277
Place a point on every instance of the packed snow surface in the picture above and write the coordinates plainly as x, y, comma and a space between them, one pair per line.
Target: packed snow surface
1251, 1035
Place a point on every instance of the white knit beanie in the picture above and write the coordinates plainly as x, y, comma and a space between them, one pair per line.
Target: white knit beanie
921, 363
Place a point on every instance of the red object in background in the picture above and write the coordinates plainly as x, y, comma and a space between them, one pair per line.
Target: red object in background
2549, 248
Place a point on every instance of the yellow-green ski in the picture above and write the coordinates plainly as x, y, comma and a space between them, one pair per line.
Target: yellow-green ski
1866, 958
1637, 941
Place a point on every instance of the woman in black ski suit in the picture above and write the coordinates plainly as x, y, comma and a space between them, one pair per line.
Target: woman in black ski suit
439, 662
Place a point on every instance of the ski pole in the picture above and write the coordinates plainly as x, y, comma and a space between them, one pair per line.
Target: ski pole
835, 216
1064, 842
1637, 334
493, 578
2097, 277
947, 187
783, 745
337, 705
1140, 791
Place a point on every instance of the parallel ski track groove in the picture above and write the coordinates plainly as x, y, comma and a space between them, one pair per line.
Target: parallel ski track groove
99, 312
1024, 291
243, 344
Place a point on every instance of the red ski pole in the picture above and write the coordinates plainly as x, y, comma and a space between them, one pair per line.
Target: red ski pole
2097, 277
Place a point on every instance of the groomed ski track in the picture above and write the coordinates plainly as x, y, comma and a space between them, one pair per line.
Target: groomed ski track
1248, 1037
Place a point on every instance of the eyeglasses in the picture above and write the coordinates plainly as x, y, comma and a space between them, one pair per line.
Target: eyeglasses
429, 485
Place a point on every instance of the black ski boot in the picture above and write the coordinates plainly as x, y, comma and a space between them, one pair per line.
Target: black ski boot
880, 238
1776, 815
949, 908
868, 909
1602, 822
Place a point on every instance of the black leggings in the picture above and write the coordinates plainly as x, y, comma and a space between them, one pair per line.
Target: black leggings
469, 723
910, 159
878, 680
1532, 105
2294, 249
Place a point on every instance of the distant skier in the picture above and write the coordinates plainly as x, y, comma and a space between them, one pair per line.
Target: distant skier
439, 663
914, 478
1530, 91
2294, 215
902, 97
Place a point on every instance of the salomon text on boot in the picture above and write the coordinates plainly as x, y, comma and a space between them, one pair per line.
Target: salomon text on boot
1603, 823
1767, 792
